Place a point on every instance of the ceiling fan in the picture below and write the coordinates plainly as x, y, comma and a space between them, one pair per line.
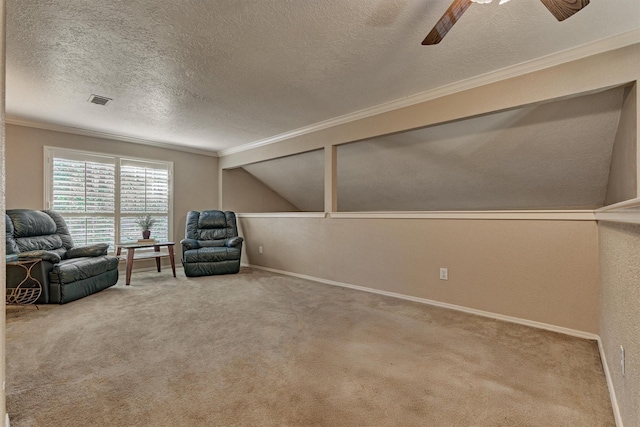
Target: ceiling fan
561, 9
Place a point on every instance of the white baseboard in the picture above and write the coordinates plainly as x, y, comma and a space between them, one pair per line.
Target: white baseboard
612, 390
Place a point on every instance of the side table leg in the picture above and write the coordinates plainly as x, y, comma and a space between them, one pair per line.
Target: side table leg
157, 249
172, 259
130, 252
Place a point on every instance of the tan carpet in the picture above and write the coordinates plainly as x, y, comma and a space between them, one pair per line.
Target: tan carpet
259, 349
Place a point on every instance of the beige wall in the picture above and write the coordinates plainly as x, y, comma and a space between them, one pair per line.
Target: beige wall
620, 312
195, 182
622, 175
545, 271
241, 192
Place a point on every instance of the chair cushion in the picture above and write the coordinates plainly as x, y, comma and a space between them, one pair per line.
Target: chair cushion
212, 219
210, 268
96, 249
211, 254
32, 230
72, 270
11, 245
28, 223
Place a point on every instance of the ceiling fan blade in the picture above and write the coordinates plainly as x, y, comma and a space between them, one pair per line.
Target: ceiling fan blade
563, 9
450, 17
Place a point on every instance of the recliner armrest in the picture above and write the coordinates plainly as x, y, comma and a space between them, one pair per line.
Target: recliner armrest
190, 244
97, 249
233, 241
52, 257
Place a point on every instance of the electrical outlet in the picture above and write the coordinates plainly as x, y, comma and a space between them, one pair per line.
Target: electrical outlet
259, 249
622, 360
444, 274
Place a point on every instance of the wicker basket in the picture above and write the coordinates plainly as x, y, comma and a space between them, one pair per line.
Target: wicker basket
23, 295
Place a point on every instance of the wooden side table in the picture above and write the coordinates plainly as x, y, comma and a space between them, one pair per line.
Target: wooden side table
157, 254
25, 293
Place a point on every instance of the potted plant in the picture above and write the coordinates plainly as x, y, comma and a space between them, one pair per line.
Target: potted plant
145, 222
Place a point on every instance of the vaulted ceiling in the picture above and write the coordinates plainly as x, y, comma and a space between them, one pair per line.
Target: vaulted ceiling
213, 74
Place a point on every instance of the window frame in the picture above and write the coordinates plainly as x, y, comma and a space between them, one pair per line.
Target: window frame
49, 154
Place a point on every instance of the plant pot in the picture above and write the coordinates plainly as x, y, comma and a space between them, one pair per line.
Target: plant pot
146, 234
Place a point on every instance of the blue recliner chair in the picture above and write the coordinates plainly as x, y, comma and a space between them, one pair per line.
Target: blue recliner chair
212, 245
66, 272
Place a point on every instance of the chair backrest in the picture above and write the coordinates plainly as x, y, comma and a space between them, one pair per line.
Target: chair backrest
32, 230
211, 225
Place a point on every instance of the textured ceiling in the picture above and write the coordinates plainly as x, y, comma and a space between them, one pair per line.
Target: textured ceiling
214, 74
546, 156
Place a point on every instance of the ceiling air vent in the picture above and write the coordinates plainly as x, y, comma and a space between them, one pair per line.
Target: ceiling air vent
100, 100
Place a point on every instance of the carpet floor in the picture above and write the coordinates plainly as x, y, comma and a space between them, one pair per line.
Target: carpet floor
261, 349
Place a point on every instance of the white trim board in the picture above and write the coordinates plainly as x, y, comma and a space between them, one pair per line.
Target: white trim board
511, 319
628, 217
556, 215
570, 215
282, 215
612, 390
573, 54
626, 212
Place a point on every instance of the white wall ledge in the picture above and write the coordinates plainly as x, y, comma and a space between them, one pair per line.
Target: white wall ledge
565, 215
282, 215
554, 215
627, 212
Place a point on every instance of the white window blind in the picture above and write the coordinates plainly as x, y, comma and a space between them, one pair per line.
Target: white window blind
144, 189
101, 197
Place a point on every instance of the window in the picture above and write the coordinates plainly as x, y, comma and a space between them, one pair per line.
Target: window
100, 197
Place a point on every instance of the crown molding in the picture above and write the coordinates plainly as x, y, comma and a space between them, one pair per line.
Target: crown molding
105, 135
616, 42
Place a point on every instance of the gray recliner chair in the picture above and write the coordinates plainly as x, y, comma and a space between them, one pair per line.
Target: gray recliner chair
212, 245
66, 273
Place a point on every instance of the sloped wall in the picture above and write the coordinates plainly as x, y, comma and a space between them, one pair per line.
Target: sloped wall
242, 192
552, 155
298, 178
622, 184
